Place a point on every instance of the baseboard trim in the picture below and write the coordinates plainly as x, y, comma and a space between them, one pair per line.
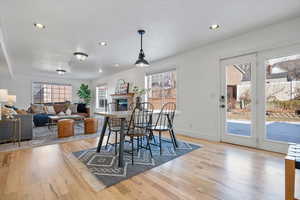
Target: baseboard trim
197, 134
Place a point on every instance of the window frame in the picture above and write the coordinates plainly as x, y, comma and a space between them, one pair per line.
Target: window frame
97, 96
176, 70
42, 100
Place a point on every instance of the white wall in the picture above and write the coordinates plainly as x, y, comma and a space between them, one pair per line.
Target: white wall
22, 87
198, 75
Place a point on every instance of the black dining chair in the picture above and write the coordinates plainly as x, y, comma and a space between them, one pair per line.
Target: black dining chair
114, 126
139, 125
164, 123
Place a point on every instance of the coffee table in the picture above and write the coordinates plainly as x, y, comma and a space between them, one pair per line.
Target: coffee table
55, 118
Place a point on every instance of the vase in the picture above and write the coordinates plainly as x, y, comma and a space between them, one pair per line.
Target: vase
138, 101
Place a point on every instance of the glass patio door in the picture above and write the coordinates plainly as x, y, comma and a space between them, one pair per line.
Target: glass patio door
279, 112
237, 100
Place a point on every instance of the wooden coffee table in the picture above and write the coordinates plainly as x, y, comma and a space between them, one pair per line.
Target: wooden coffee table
55, 118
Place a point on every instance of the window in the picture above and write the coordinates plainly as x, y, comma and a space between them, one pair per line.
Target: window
101, 96
163, 88
51, 92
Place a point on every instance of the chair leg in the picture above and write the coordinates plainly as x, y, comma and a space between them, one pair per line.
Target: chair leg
160, 150
149, 146
137, 144
132, 148
107, 139
116, 144
173, 140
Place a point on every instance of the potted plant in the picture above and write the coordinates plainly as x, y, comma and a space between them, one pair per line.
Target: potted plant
139, 92
85, 93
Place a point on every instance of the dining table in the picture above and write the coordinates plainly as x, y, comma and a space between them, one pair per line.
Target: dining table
123, 116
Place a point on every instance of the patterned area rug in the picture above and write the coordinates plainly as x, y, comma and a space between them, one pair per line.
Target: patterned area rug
104, 165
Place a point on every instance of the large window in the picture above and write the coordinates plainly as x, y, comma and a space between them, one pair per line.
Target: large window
163, 88
101, 96
51, 92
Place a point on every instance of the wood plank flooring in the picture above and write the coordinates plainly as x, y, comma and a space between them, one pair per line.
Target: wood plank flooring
216, 171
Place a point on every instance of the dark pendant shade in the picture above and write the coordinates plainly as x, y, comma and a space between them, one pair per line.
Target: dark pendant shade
141, 62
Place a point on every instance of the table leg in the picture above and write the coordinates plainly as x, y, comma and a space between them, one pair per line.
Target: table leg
20, 135
102, 134
289, 179
121, 144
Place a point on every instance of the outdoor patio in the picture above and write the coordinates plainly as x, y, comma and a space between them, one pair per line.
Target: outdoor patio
277, 131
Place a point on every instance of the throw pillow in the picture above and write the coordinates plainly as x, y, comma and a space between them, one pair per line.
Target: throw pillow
50, 110
73, 108
61, 114
8, 112
68, 111
59, 107
81, 108
37, 108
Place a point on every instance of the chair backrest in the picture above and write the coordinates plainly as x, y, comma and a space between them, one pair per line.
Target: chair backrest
166, 115
141, 116
113, 122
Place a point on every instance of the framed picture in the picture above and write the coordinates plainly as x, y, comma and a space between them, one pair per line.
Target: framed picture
122, 87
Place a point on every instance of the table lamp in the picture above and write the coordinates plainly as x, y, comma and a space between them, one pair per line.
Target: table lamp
3, 98
11, 99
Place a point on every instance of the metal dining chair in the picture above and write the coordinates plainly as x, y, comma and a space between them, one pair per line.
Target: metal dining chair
114, 126
139, 125
164, 123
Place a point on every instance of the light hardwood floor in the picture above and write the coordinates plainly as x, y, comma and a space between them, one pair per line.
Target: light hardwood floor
216, 171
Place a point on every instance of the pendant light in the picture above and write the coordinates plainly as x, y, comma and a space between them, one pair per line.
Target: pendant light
141, 62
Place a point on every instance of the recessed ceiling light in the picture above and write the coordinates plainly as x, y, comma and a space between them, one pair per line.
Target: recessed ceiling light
80, 56
39, 26
117, 65
214, 26
61, 71
100, 70
103, 43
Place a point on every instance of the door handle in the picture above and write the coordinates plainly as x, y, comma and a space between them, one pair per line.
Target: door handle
222, 106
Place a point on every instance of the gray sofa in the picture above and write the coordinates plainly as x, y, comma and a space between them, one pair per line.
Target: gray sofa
6, 128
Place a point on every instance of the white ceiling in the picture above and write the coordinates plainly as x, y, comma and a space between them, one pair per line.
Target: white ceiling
172, 26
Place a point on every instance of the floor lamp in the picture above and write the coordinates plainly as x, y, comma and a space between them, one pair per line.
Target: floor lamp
3, 98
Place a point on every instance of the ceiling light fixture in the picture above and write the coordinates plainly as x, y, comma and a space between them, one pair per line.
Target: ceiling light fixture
141, 62
80, 56
39, 26
100, 70
214, 27
61, 71
103, 43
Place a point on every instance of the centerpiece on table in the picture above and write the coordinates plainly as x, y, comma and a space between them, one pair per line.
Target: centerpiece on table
139, 92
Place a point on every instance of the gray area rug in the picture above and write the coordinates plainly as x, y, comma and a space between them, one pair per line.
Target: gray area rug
104, 165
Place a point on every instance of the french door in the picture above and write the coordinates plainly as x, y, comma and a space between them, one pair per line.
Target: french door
279, 98
238, 100
260, 99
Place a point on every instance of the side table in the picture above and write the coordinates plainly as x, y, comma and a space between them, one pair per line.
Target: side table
16, 126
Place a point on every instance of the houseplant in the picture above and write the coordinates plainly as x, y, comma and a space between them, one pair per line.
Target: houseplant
139, 92
85, 93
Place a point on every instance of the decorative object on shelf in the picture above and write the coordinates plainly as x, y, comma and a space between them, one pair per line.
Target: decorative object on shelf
11, 99
122, 87
85, 93
139, 92
141, 62
3, 98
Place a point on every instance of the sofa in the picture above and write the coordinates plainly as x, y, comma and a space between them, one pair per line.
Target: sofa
6, 128
41, 112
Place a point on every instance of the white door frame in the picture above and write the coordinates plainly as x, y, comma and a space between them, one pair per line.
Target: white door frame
230, 138
263, 56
